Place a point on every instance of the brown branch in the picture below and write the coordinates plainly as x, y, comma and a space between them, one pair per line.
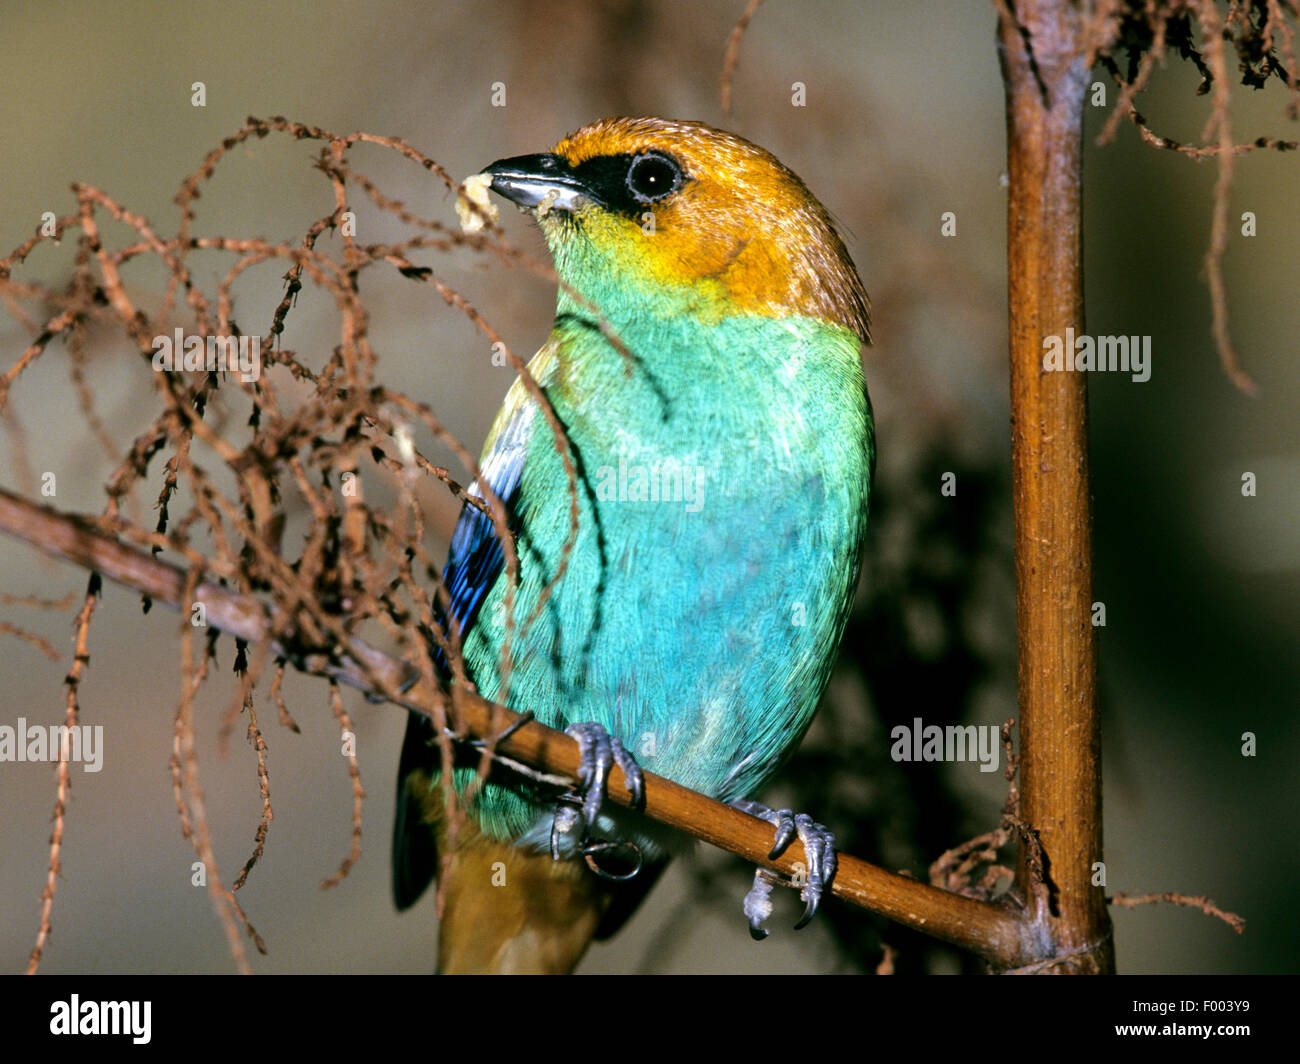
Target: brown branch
1060, 736
991, 930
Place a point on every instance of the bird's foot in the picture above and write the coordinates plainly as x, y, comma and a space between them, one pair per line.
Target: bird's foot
598, 752
818, 845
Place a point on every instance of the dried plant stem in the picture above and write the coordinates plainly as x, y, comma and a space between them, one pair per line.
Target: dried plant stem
80, 659
1046, 76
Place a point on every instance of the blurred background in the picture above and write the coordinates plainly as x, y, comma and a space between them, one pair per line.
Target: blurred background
902, 122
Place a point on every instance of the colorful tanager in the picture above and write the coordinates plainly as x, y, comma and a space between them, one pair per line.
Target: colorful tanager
705, 367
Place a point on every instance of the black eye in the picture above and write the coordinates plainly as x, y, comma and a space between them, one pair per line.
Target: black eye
652, 176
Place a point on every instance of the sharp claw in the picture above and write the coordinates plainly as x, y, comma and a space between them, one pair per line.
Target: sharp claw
599, 752
596, 748
632, 774
594, 781
786, 830
809, 911
819, 848
832, 861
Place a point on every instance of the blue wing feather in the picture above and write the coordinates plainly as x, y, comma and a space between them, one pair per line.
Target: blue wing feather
474, 562
476, 557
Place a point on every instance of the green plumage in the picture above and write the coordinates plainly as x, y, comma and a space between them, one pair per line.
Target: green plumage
699, 628
722, 449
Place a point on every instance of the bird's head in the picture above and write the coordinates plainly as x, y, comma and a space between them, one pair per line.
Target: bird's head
654, 214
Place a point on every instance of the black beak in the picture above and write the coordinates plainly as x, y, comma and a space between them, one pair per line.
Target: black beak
531, 180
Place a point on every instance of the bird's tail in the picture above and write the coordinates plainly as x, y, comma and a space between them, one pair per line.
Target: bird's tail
505, 909
512, 911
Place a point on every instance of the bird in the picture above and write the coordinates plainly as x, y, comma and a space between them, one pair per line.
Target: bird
705, 367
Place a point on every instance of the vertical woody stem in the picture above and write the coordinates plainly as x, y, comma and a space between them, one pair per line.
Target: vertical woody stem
1060, 770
